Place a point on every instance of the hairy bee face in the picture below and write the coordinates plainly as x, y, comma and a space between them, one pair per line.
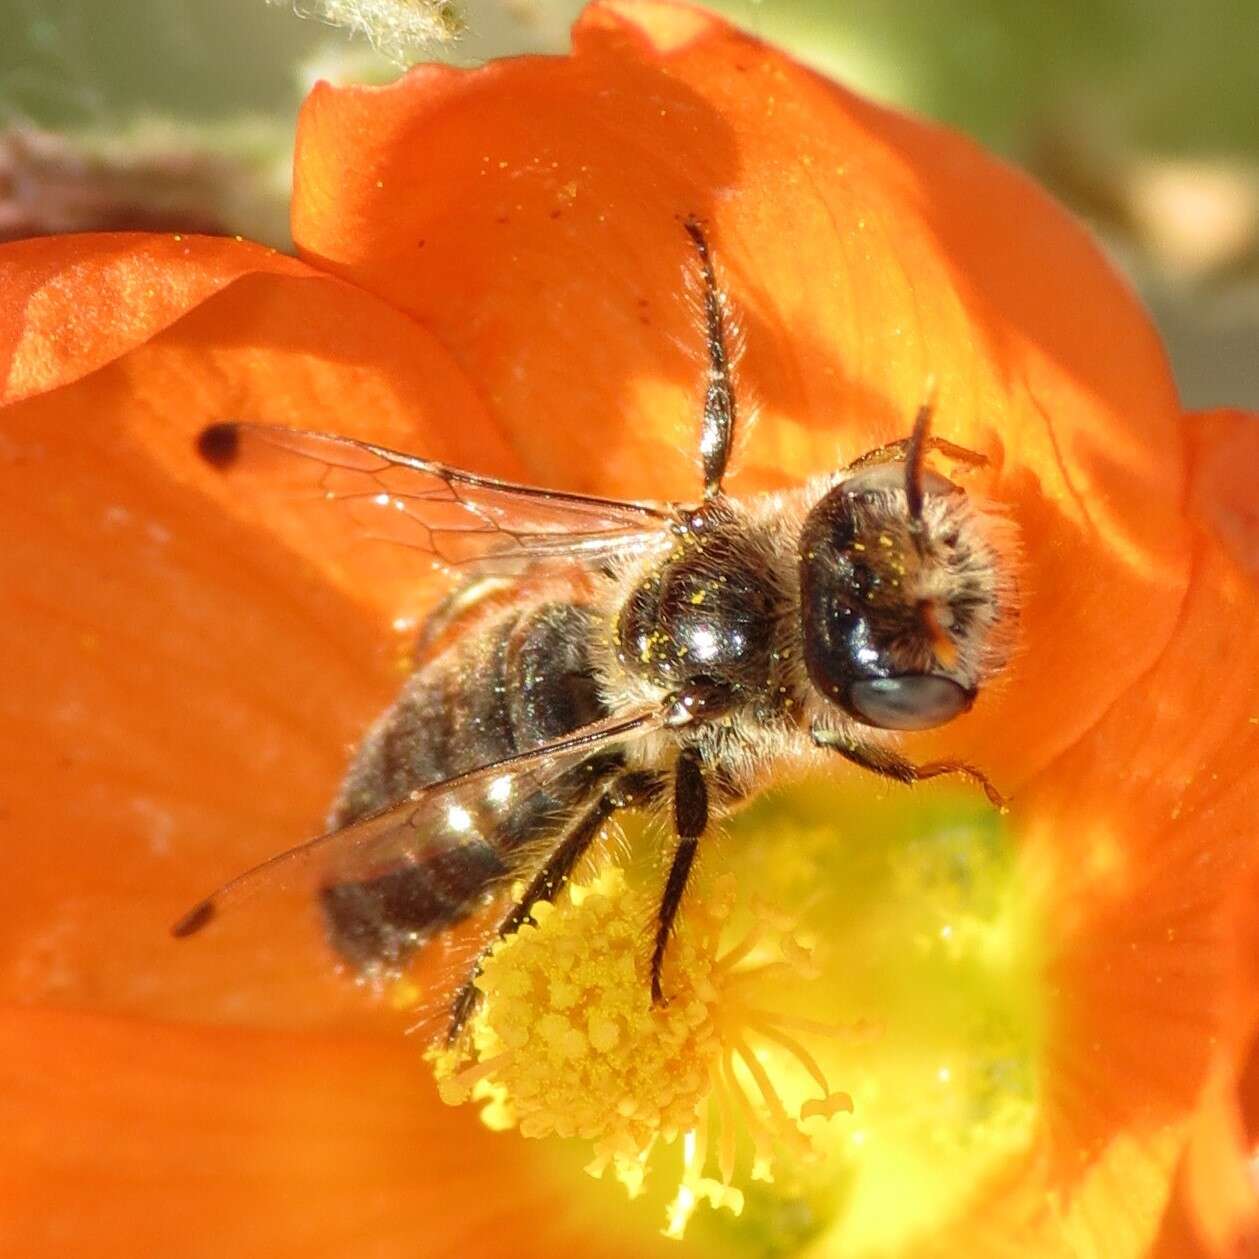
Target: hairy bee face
900, 614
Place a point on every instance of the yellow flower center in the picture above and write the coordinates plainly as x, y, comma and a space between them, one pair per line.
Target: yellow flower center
568, 1043
891, 953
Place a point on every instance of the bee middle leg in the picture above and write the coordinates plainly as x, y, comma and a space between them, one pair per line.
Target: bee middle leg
690, 820
717, 425
629, 790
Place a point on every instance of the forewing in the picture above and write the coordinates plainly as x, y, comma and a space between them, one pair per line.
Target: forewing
349, 496
470, 814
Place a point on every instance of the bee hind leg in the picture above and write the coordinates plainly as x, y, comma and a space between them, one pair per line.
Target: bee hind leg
629, 790
690, 819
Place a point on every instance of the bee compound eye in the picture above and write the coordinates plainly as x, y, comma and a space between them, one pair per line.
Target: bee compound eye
913, 701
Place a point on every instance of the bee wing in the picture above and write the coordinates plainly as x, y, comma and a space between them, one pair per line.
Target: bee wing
344, 493
460, 814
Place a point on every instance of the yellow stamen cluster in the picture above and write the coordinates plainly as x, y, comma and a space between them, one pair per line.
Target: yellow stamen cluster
567, 1042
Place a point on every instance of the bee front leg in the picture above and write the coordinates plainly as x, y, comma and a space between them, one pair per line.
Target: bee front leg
899, 448
690, 820
888, 764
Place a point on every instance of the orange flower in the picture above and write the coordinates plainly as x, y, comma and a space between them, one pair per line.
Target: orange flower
491, 275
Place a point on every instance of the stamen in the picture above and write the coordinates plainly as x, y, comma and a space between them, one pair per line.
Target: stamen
725, 1109
787, 1130
762, 1138
859, 1029
457, 1088
745, 946
827, 1107
758, 974
567, 1042
795, 1048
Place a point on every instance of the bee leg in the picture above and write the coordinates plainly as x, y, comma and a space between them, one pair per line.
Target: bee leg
717, 427
899, 449
888, 764
690, 819
629, 790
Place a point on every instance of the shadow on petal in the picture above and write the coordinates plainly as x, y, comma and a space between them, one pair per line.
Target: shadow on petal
528, 213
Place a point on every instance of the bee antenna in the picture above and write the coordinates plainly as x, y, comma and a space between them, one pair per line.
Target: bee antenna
914, 452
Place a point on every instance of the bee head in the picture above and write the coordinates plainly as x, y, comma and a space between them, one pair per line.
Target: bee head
905, 595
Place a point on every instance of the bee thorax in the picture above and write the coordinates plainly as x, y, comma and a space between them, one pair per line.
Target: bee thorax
705, 613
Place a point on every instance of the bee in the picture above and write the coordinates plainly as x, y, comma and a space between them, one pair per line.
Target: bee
601, 655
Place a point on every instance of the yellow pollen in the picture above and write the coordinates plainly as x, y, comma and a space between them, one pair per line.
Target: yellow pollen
566, 1041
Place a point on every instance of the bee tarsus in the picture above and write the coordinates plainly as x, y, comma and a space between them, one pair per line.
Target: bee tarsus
889, 764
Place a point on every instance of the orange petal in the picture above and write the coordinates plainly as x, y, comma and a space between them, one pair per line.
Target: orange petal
1144, 871
1135, 874
73, 303
528, 212
1224, 496
134, 1138
1143, 865
180, 688
1215, 1211
1224, 492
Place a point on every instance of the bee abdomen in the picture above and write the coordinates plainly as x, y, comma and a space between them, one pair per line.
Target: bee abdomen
524, 680
377, 923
